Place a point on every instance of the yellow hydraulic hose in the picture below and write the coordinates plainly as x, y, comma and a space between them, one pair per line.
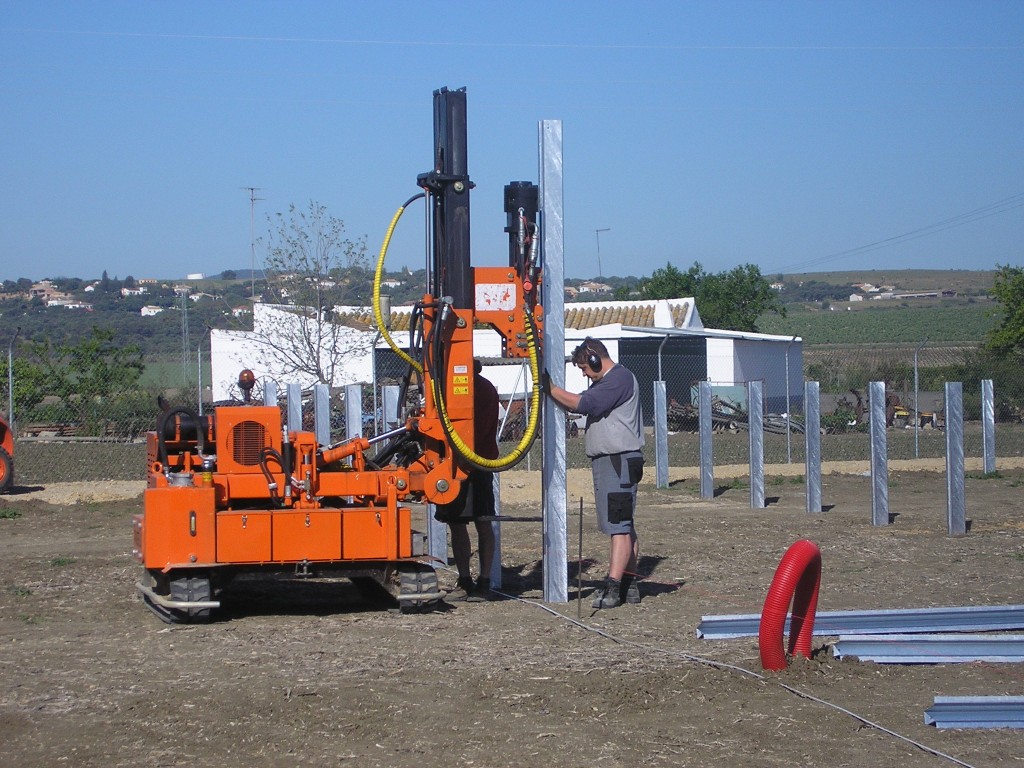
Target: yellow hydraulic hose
517, 453
378, 317
467, 453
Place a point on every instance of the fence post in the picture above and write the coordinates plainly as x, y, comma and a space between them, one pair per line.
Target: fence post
879, 454
389, 413
956, 513
707, 469
353, 410
322, 413
270, 392
988, 426
294, 406
660, 435
755, 435
812, 445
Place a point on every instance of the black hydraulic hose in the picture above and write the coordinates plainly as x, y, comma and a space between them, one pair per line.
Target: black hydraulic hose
161, 437
272, 453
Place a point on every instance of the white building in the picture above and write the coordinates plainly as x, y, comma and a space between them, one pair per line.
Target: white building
654, 338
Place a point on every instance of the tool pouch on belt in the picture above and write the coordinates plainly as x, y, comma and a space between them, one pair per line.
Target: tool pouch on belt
620, 507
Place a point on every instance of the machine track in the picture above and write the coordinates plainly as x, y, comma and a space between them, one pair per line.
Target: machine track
417, 588
178, 600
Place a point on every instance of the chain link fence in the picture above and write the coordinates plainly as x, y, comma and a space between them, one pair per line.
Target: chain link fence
103, 438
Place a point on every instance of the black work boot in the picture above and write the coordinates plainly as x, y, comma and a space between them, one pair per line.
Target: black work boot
481, 593
610, 596
630, 589
463, 588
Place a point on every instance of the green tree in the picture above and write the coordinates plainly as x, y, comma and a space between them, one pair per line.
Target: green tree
732, 300
670, 283
89, 377
1009, 292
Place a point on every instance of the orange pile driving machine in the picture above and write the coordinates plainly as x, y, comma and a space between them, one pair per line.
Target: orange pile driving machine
240, 491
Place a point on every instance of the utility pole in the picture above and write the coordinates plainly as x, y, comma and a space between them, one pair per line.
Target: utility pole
597, 234
10, 379
252, 238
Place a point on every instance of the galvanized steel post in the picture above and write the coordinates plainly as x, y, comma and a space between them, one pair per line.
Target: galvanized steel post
269, 392
294, 409
755, 434
956, 512
812, 445
353, 410
879, 454
322, 413
660, 435
553, 465
988, 426
707, 468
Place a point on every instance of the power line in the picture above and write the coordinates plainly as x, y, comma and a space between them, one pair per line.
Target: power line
993, 209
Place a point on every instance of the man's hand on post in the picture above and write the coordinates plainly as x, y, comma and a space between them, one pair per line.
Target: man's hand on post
545, 382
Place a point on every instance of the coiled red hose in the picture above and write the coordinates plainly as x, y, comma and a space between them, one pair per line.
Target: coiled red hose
796, 579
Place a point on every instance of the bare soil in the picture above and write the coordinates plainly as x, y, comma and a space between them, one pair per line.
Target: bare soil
307, 673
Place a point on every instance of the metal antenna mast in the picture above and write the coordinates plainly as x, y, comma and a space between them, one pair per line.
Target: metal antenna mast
597, 234
252, 238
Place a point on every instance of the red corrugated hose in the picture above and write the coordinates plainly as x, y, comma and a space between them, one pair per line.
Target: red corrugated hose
796, 579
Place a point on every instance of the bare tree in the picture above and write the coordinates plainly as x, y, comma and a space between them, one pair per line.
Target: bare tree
312, 267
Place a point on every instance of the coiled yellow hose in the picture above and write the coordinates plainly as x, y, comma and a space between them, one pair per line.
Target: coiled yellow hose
464, 451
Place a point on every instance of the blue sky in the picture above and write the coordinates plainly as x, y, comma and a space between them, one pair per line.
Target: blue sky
797, 136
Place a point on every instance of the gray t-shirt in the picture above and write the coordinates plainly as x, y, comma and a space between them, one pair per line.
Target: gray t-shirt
612, 408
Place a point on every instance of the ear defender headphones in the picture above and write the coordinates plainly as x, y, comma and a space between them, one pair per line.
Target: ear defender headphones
592, 358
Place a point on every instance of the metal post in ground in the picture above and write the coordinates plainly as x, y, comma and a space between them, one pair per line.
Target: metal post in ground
553, 462
879, 454
294, 406
322, 414
660, 435
755, 434
496, 527
353, 410
988, 426
812, 445
707, 469
956, 511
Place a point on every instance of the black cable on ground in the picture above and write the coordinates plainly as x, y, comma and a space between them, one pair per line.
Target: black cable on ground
740, 670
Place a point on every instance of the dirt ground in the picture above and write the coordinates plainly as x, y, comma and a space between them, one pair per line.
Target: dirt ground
305, 673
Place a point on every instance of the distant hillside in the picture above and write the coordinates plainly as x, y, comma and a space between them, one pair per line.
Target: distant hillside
966, 282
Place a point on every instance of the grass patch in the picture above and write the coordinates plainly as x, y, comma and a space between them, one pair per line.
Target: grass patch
60, 562
9, 514
984, 475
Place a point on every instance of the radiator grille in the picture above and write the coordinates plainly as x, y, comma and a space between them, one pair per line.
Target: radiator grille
247, 442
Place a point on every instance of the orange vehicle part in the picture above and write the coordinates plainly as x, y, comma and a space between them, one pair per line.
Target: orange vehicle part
237, 508
6, 456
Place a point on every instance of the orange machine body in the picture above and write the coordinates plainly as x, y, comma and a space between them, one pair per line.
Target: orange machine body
241, 509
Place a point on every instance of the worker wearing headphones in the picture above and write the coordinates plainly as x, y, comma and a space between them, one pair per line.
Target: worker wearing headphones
614, 442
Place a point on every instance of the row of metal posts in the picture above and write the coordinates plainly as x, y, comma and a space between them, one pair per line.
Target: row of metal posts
879, 464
